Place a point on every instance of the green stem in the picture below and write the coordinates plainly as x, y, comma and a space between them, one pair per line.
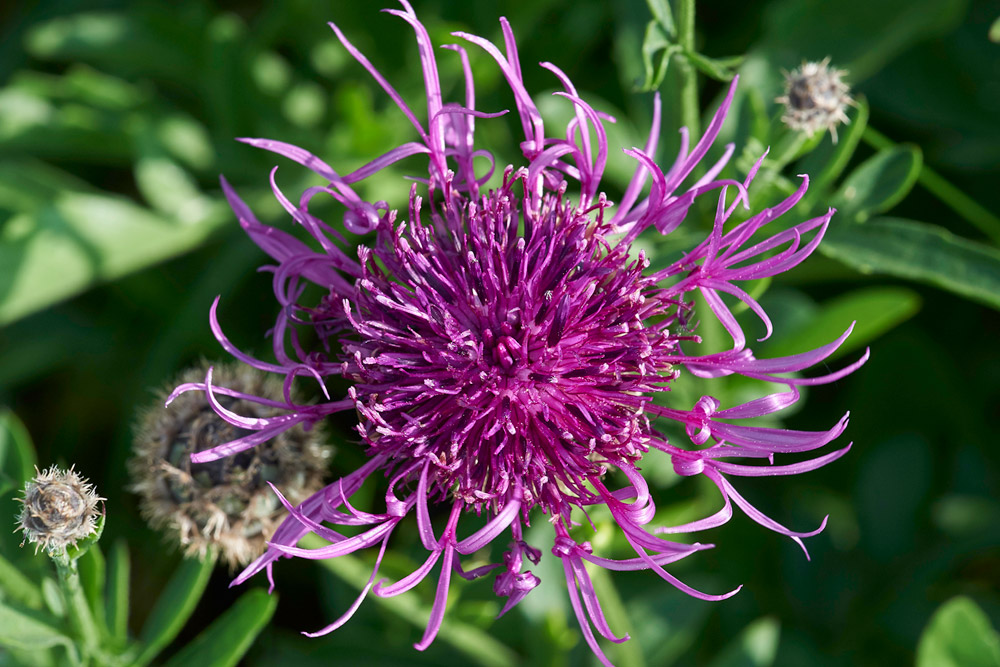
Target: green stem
81, 617
949, 195
690, 115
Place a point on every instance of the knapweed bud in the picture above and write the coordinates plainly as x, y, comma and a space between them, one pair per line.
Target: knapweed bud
815, 98
225, 504
59, 509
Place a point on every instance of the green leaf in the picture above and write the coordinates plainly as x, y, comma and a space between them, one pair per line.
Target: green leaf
879, 183
174, 607
116, 602
720, 69
959, 635
921, 252
876, 310
22, 628
656, 40
61, 241
660, 9
18, 587
994, 33
827, 162
756, 646
92, 573
17, 453
225, 641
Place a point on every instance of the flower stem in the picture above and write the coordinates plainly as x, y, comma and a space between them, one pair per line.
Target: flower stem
81, 617
949, 195
690, 115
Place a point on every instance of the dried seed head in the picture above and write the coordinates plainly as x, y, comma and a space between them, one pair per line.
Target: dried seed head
225, 504
815, 98
59, 509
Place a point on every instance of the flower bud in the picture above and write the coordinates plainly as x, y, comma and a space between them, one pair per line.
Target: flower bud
815, 98
225, 504
59, 509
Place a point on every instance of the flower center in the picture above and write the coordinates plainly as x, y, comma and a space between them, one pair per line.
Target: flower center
506, 340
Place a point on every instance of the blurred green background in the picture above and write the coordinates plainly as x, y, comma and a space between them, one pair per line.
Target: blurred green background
117, 118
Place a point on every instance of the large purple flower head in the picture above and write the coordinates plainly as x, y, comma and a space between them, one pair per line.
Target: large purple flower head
505, 343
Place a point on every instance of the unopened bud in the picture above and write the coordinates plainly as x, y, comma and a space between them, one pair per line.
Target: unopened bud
59, 509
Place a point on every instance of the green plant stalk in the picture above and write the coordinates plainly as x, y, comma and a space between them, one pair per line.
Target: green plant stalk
690, 115
78, 609
949, 195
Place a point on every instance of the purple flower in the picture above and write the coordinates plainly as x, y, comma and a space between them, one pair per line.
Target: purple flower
505, 343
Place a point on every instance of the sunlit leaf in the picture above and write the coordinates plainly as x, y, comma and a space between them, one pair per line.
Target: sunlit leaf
875, 309
879, 183
921, 252
959, 635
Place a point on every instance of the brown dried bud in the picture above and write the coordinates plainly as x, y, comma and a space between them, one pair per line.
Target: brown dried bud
226, 503
59, 509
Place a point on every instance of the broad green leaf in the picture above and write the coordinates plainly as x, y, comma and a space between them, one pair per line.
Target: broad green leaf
879, 183
15, 586
994, 33
55, 601
959, 635
921, 252
73, 239
755, 646
875, 309
116, 600
174, 607
225, 641
28, 629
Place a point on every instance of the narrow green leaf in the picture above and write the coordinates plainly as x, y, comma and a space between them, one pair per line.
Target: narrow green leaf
879, 183
231, 635
921, 252
875, 309
174, 607
720, 69
18, 587
959, 635
656, 40
17, 453
755, 646
827, 162
92, 574
116, 610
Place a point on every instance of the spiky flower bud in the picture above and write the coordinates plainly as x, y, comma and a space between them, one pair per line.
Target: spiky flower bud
815, 98
225, 504
59, 509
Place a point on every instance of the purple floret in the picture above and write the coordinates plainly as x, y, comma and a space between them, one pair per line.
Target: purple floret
505, 343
